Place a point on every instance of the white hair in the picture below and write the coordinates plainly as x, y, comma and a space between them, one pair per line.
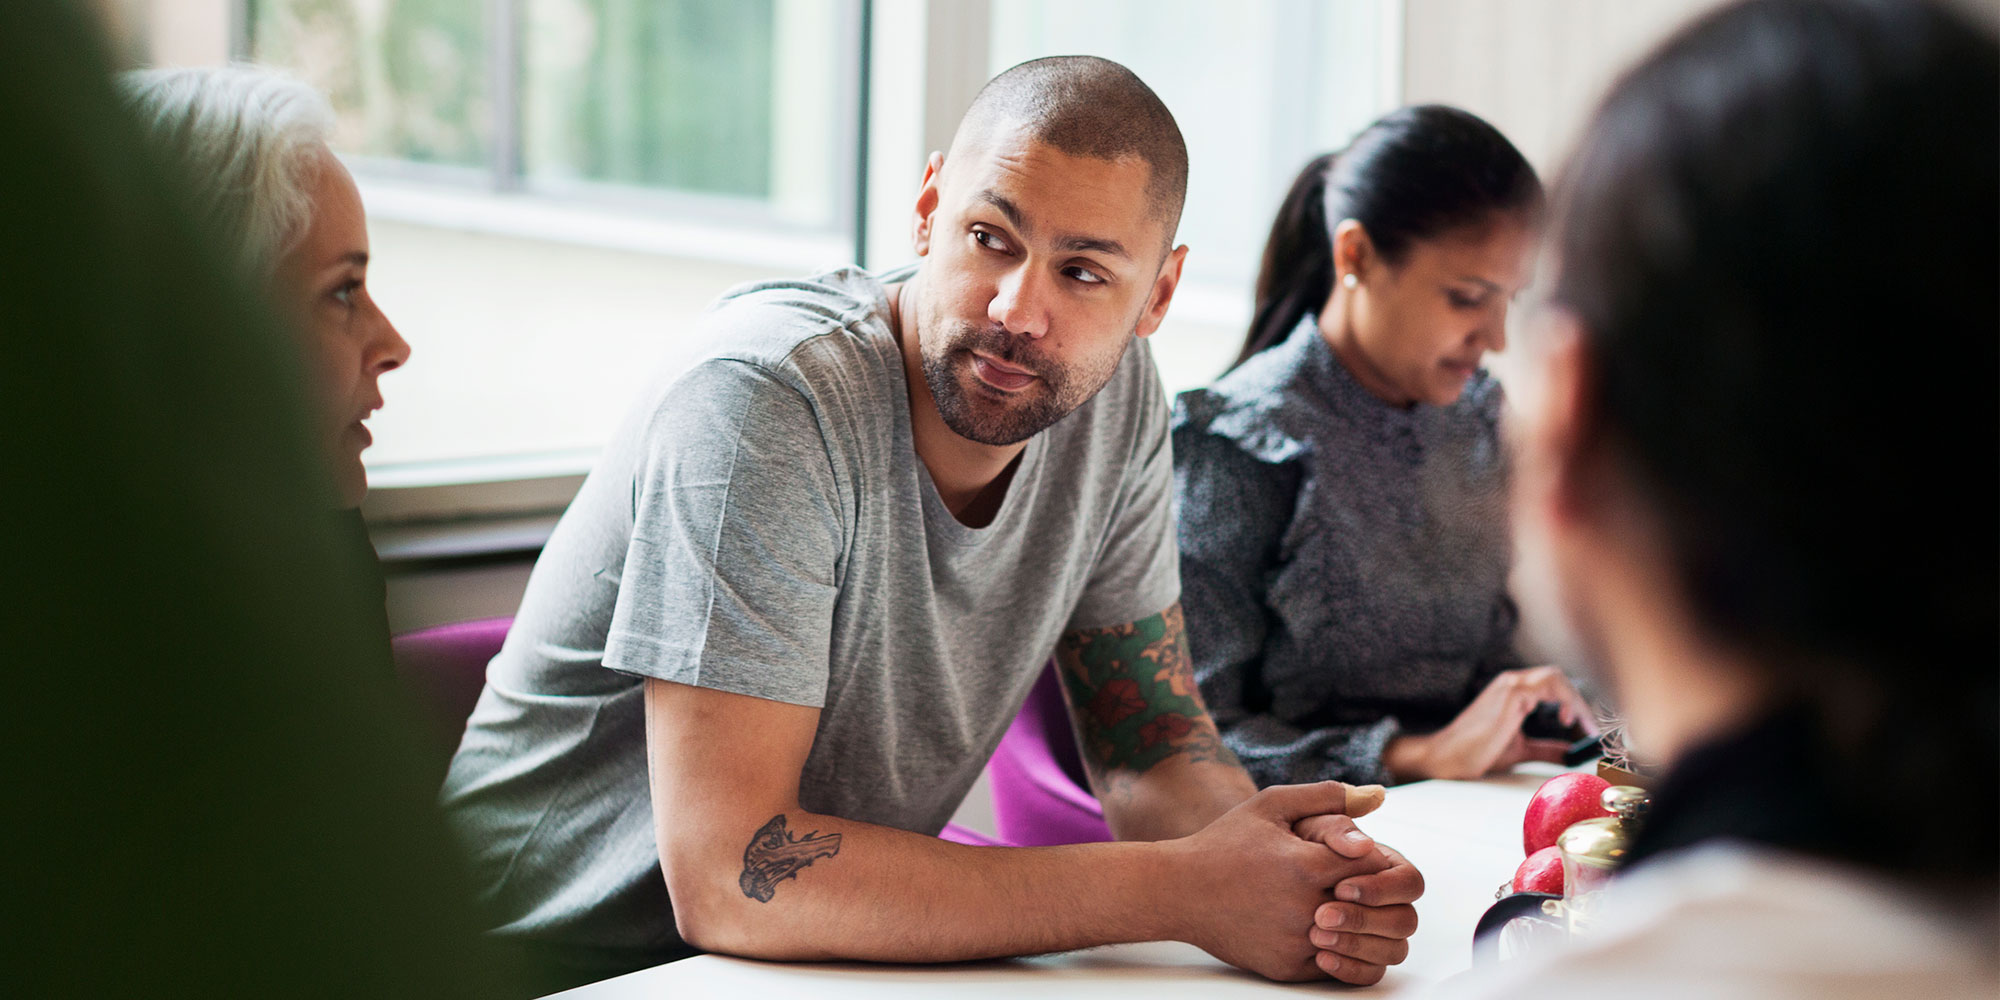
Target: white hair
250, 139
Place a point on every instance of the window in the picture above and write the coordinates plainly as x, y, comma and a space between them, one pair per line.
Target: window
411, 80
740, 112
556, 188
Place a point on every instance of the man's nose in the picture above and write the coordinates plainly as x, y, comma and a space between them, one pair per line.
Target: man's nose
1020, 303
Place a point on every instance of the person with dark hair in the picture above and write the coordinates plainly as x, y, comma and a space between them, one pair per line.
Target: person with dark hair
793, 609
1768, 525
1344, 556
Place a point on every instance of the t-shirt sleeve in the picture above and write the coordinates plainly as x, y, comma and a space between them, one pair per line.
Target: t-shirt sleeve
732, 571
1137, 573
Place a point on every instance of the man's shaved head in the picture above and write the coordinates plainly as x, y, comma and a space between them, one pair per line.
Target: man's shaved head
1084, 106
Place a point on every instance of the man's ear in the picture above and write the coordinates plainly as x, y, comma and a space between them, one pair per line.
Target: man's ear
926, 207
1163, 293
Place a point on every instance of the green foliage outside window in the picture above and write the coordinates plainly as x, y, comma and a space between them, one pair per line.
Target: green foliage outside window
408, 77
672, 94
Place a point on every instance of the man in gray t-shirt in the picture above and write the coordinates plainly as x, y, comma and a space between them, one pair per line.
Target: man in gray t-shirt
810, 581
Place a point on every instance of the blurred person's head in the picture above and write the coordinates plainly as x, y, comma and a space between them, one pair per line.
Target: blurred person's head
1047, 236
1409, 246
1757, 462
213, 781
255, 144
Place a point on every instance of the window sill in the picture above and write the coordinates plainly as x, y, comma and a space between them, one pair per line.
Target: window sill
430, 493
413, 549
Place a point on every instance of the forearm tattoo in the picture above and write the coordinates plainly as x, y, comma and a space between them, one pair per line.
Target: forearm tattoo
1132, 693
774, 855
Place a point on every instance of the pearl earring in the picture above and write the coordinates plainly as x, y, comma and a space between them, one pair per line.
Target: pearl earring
1349, 280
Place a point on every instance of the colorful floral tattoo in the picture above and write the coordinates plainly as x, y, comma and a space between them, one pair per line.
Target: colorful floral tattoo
1132, 695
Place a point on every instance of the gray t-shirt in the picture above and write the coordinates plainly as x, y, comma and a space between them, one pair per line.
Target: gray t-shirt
762, 525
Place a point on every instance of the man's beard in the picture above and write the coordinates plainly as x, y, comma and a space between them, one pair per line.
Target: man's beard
977, 412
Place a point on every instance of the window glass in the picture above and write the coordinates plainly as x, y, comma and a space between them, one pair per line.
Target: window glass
657, 93
408, 78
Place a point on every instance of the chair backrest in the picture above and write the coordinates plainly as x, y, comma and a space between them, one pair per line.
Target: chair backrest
1039, 793
444, 669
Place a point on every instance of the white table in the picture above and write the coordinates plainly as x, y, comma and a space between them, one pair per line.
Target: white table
1465, 836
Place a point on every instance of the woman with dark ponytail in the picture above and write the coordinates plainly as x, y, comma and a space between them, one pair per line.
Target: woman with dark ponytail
1344, 553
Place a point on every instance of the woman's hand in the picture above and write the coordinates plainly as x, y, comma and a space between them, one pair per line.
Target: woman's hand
1486, 737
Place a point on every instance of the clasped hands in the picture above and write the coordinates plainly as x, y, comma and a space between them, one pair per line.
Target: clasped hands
1294, 890
1367, 926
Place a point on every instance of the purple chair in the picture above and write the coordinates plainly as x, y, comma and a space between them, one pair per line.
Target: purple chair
960, 835
1040, 795
444, 669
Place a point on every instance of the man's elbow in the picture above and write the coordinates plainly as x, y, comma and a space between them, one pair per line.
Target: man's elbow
713, 914
698, 922
704, 916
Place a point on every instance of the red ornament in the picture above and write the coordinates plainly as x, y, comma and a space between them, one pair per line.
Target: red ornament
1562, 800
1541, 872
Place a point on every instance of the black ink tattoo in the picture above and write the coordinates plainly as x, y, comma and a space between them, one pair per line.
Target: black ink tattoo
774, 855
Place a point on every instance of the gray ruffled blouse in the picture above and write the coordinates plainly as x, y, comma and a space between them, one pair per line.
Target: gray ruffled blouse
1343, 560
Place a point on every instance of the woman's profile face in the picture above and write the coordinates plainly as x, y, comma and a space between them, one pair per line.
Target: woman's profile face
1419, 328
349, 343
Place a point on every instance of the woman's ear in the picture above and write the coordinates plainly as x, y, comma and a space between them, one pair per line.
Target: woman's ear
1353, 253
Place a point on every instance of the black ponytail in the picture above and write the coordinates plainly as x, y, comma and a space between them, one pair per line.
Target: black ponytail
1297, 273
1414, 174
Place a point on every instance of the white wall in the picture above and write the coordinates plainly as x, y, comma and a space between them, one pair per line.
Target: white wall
180, 32
1534, 68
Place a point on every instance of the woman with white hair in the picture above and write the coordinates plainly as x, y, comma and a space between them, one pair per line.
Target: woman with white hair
254, 145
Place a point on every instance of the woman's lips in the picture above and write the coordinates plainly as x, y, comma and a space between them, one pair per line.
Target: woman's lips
1000, 375
360, 431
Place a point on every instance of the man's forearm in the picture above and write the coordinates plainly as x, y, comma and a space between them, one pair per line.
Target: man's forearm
1155, 759
1174, 799
808, 886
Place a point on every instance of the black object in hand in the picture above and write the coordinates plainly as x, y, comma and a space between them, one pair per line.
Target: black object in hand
1587, 748
1545, 723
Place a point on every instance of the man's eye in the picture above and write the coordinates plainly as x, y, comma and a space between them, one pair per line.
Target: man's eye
1086, 276
988, 240
345, 293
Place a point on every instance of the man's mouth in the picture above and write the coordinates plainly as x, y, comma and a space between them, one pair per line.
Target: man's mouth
999, 374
